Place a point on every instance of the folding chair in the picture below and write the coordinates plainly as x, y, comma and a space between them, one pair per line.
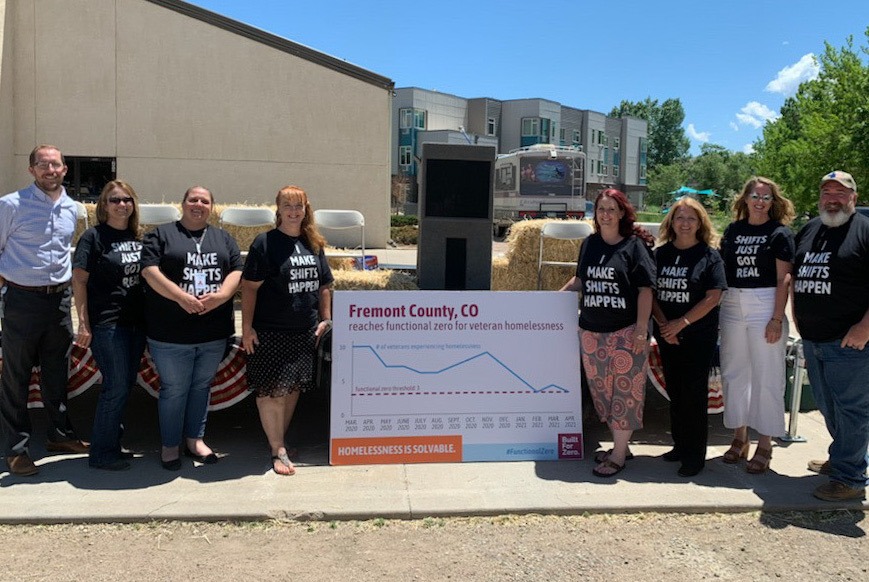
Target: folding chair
247, 216
336, 220
81, 213
560, 230
155, 214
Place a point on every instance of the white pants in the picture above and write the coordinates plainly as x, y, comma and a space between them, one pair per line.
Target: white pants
752, 370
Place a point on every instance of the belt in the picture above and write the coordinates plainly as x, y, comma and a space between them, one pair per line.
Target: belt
44, 289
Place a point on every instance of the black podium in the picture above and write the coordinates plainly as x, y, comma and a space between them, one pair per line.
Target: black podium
454, 250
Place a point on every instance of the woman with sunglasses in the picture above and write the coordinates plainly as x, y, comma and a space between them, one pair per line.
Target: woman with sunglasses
758, 253
109, 305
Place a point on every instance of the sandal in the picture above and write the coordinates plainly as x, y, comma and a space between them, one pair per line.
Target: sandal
759, 463
616, 469
601, 456
738, 450
285, 460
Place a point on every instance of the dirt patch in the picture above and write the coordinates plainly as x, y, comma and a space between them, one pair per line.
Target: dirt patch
752, 546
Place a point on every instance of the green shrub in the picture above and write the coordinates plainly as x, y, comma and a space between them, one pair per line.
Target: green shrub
404, 220
404, 235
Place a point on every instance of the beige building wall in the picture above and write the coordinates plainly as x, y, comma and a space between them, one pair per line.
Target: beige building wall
7, 166
179, 101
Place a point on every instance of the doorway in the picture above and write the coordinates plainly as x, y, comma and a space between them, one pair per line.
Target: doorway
86, 176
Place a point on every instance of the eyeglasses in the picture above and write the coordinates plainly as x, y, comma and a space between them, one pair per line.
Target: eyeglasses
756, 196
45, 165
126, 200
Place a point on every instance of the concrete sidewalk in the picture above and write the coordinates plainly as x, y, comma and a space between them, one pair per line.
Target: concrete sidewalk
243, 487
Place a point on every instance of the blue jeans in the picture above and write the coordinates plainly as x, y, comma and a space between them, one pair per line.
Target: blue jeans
186, 372
840, 383
117, 351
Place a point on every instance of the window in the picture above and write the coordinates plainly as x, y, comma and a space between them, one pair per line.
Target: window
530, 126
491, 126
404, 155
615, 171
561, 134
604, 170
616, 143
405, 118
643, 172
419, 118
576, 137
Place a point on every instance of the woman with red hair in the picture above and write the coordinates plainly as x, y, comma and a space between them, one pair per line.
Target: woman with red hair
615, 275
285, 308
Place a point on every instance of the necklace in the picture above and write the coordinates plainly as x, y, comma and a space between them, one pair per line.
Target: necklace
196, 242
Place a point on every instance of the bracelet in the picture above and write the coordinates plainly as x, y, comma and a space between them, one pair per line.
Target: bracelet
687, 323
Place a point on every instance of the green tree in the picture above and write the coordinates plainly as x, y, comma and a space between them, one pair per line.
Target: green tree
824, 127
666, 139
664, 179
720, 169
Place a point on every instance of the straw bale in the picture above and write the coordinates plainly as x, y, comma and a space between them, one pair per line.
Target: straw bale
340, 263
518, 271
374, 280
500, 274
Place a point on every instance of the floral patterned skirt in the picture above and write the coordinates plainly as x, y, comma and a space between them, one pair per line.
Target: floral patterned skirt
616, 376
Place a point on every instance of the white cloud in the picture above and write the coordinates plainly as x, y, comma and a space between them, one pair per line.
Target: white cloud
785, 42
755, 114
702, 136
748, 120
734, 126
788, 79
748, 148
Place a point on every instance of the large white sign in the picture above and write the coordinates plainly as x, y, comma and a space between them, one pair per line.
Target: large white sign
444, 376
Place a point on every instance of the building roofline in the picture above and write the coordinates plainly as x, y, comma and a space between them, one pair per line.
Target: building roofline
275, 42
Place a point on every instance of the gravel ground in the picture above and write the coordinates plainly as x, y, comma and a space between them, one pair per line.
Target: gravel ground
748, 546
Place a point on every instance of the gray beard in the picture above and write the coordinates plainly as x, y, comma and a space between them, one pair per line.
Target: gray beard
834, 219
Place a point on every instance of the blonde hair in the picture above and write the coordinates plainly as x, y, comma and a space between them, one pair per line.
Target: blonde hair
706, 232
782, 209
309, 228
103, 202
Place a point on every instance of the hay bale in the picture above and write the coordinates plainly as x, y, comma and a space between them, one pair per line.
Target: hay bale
340, 263
501, 274
375, 280
518, 272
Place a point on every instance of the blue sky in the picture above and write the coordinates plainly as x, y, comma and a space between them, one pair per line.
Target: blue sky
731, 62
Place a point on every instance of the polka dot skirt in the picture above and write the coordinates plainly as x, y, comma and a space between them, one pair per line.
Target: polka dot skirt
282, 363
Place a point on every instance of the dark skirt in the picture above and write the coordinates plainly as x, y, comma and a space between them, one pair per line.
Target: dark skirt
282, 363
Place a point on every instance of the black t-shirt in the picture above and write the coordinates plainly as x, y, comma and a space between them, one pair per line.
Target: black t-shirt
289, 298
181, 255
112, 259
684, 277
831, 278
750, 251
611, 276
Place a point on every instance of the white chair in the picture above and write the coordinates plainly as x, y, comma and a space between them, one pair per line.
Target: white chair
81, 213
246, 216
336, 220
560, 230
155, 214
